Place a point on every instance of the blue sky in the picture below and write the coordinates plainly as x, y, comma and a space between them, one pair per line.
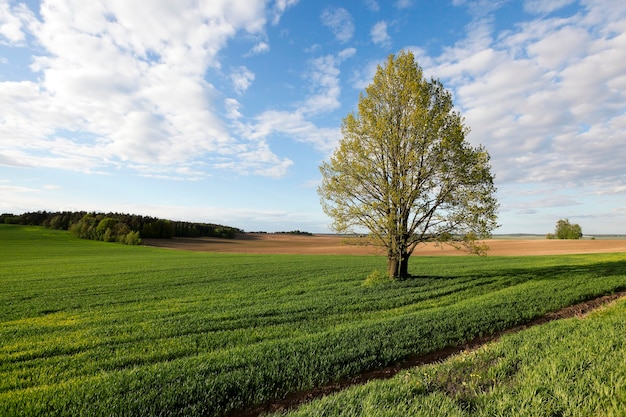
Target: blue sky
222, 110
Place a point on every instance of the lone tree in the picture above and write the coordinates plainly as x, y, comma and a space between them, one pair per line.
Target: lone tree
565, 230
404, 171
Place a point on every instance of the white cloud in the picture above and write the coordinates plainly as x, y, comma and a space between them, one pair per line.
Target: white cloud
242, 78
259, 48
339, 21
547, 99
296, 124
542, 6
403, 4
313, 48
379, 34
372, 5
479, 9
117, 85
560, 47
232, 107
364, 75
256, 158
14, 21
16, 189
324, 76
280, 6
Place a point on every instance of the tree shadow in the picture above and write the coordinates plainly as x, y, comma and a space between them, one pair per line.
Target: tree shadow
556, 272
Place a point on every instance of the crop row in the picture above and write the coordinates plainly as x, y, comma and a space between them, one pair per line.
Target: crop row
88, 328
567, 367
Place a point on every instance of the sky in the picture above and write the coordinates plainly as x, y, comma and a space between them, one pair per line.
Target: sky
221, 111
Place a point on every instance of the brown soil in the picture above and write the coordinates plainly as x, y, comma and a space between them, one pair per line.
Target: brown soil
296, 399
336, 245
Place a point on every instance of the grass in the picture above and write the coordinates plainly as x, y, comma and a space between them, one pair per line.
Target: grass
572, 367
91, 328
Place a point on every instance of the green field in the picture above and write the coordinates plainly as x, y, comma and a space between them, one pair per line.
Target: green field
573, 367
93, 328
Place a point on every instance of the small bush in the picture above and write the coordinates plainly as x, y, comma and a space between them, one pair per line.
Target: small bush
376, 278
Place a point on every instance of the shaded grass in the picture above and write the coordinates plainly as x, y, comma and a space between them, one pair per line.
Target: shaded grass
90, 328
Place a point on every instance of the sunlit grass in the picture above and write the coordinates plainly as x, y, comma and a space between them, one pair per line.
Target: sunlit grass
93, 328
573, 367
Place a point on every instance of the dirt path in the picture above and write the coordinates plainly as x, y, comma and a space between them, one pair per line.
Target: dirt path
294, 400
335, 245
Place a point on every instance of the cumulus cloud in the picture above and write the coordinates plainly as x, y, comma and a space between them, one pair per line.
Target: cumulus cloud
340, 22
379, 34
324, 78
116, 85
295, 126
242, 78
259, 48
232, 107
14, 22
547, 99
280, 6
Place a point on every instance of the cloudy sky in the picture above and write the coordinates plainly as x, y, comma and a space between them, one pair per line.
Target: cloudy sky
222, 110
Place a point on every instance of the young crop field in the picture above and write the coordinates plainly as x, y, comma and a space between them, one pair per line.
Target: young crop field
573, 367
91, 328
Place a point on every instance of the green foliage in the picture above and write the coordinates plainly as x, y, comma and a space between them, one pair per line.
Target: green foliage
296, 233
403, 169
158, 229
8, 218
93, 329
376, 278
132, 238
115, 227
565, 230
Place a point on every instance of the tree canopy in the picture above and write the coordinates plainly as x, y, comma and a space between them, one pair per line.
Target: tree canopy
404, 171
566, 230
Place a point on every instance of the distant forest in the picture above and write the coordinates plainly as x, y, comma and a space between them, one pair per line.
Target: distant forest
118, 227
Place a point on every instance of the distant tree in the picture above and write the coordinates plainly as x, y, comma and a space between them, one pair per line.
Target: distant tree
132, 238
104, 230
116, 227
158, 229
9, 218
59, 221
85, 228
404, 171
566, 230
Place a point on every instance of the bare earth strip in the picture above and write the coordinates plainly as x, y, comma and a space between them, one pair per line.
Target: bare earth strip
336, 245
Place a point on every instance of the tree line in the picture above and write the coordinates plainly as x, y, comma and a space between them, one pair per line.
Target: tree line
118, 227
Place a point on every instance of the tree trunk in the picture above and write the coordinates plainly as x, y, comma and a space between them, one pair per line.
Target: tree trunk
404, 266
398, 266
393, 266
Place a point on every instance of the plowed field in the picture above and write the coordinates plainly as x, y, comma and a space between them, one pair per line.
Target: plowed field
336, 245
